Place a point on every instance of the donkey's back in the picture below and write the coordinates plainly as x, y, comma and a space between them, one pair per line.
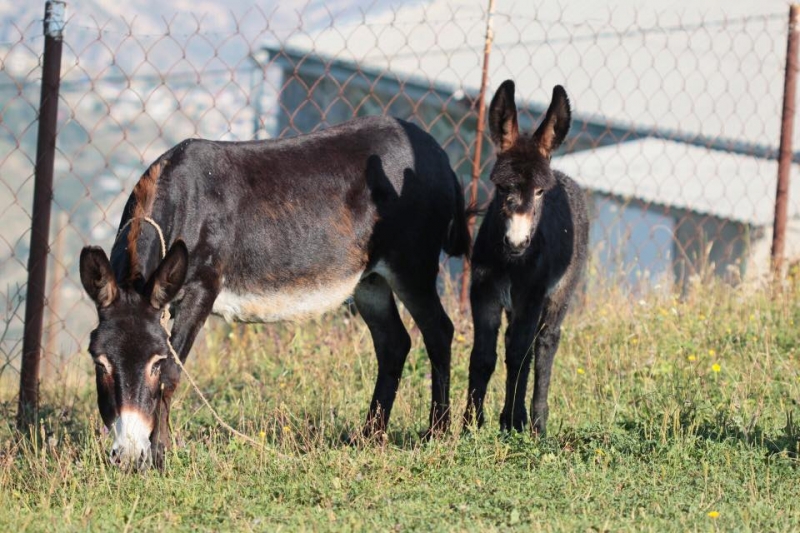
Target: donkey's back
292, 225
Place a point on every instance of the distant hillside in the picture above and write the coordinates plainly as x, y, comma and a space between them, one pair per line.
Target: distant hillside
149, 20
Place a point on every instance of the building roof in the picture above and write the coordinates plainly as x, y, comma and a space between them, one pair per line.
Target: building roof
728, 186
688, 70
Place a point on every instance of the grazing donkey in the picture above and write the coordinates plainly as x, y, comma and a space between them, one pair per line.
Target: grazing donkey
527, 260
273, 230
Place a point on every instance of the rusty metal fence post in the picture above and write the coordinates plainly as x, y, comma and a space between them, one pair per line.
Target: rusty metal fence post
785, 151
40, 220
476, 158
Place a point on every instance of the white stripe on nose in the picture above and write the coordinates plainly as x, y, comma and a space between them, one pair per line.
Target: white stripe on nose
132, 438
518, 229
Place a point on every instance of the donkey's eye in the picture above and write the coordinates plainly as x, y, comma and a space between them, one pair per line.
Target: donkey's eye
155, 364
102, 365
539, 192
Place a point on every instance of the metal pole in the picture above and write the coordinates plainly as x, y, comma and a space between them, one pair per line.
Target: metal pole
785, 151
476, 157
40, 223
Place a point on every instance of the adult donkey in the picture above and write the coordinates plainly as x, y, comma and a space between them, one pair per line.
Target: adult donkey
528, 258
264, 231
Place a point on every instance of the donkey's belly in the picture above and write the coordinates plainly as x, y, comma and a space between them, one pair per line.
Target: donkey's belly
284, 303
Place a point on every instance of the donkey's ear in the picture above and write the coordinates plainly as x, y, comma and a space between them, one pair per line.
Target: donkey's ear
555, 126
168, 278
503, 117
97, 277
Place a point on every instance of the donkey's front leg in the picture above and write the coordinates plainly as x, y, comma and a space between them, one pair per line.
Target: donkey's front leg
547, 342
194, 309
520, 336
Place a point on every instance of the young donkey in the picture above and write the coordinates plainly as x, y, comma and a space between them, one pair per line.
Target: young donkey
527, 260
266, 231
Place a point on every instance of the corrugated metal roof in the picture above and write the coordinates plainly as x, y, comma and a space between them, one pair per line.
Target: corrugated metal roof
729, 186
687, 66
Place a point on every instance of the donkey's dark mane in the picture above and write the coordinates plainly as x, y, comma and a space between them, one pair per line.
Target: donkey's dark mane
144, 195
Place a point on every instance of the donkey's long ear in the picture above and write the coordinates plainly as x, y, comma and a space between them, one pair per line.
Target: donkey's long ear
97, 277
503, 117
168, 278
555, 126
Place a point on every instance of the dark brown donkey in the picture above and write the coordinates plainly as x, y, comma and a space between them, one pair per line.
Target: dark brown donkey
266, 231
528, 258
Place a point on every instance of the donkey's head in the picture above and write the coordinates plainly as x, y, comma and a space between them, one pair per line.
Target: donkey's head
522, 174
135, 375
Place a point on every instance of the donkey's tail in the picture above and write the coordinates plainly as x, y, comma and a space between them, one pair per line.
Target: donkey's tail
458, 242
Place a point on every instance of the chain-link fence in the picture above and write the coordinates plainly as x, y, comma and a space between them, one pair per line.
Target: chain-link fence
677, 121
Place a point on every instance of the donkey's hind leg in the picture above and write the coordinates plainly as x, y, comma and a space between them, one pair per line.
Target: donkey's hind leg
421, 298
375, 302
486, 316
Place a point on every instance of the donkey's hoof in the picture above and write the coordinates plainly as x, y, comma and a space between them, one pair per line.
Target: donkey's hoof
515, 421
538, 430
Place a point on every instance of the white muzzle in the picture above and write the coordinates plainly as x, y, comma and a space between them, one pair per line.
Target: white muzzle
132, 440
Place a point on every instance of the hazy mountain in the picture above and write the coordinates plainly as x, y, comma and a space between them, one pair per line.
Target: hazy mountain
240, 21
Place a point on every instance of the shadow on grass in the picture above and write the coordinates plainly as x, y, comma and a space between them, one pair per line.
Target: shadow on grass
721, 428
643, 437
51, 420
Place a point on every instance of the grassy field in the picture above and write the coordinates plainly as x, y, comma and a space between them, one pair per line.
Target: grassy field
666, 414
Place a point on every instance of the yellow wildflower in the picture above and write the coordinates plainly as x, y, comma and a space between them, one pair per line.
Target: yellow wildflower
580, 371
262, 434
692, 357
715, 367
712, 352
286, 429
713, 514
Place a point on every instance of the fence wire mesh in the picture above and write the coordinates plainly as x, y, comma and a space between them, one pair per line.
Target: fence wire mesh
675, 132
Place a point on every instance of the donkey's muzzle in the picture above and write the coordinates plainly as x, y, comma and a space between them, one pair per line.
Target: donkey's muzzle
516, 250
138, 461
131, 448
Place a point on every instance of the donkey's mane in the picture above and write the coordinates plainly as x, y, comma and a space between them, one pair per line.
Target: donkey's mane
144, 193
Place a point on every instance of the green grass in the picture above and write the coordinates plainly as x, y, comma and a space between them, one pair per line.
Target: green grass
663, 413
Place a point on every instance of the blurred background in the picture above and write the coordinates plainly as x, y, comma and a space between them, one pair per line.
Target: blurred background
675, 133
